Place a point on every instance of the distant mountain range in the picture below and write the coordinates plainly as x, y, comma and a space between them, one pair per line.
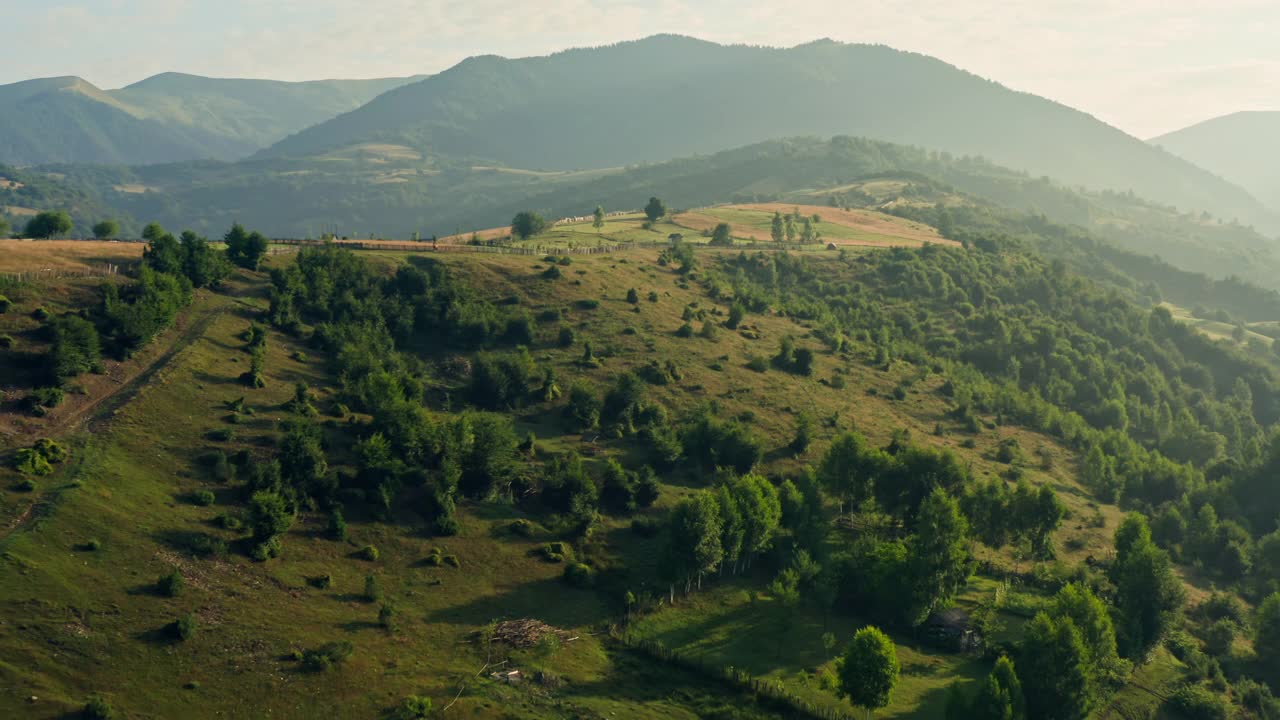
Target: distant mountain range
1243, 147
166, 118
670, 96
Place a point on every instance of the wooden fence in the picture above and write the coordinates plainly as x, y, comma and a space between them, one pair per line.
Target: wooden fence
536, 250
107, 270
771, 695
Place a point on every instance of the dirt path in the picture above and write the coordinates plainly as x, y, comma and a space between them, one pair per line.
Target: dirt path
97, 415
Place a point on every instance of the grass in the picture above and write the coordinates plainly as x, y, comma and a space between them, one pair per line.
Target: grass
69, 255
735, 625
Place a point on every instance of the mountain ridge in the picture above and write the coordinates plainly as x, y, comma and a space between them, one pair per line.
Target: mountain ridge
169, 117
671, 96
1234, 146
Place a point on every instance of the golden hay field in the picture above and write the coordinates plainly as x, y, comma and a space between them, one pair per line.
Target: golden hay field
30, 255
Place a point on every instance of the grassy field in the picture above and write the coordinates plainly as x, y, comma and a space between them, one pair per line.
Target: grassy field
78, 622
70, 255
841, 227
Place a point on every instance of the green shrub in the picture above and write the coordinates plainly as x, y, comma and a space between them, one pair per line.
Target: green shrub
267, 549
221, 435
91, 545
1196, 703
183, 628
299, 356
327, 656
97, 708
369, 552
587, 304
521, 527
25, 485
414, 707
5, 304
387, 616
229, 522
40, 314
1009, 450
52, 451
49, 397
452, 561
552, 273
446, 526
321, 582
6, 342
171, 585
556, 552
579, 575
435, 559
685, 331
204, 498
566, 336
758, 364
29, 461
372, 588
337, 527
653, 296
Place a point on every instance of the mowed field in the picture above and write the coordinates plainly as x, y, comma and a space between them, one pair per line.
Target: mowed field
841, 227
33, 255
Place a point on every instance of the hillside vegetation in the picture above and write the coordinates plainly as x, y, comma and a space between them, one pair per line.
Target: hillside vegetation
327, 479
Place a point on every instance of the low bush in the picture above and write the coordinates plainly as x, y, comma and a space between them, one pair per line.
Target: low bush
204, 498
43, 398
372, 588
28, 461
321, 582
452, 561
369, 552
521, 527
579, 575
183, 628
556, 552
327, 656
97, 708
171, 585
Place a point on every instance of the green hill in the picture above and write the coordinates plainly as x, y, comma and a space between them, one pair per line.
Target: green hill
670, 96
166, 118
1240, 147
441, 432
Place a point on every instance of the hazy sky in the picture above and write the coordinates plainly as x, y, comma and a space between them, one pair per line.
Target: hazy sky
1147, 66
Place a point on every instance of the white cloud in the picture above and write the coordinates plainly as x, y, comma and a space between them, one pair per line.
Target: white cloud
1145, 65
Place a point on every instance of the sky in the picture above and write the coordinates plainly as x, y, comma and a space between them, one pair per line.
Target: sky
1145, 66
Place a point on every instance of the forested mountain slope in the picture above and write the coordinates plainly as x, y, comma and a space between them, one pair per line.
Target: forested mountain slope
668, 96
